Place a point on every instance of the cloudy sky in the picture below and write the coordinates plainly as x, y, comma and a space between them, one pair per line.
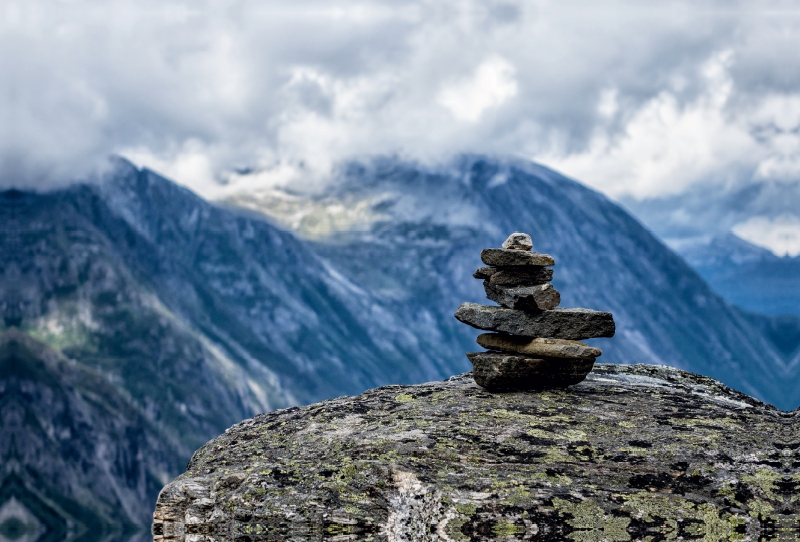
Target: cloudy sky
638, 101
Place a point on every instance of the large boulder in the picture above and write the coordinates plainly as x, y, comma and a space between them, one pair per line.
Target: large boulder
630, 453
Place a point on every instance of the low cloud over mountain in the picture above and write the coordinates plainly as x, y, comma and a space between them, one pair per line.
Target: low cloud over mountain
635, 101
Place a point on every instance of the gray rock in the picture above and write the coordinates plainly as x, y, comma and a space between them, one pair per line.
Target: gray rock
484, 272
518, 275
502, 372
573, 324
632, 453
522, 275
554, 348
530, 298
518, 241
501, 256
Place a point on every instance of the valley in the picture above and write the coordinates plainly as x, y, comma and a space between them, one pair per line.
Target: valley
159, 319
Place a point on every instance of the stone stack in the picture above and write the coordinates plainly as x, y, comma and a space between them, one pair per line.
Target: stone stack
535, 344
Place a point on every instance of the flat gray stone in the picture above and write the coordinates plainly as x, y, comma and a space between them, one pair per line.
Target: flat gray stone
573, 324
552, 348
484, 272
518, 241
507, 372
531, 298
518, 275
521, 275
501, 256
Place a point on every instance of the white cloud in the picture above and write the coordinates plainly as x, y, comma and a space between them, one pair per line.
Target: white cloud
777, 122
191, 162
779, 234
667, 144
491, 85
635, 101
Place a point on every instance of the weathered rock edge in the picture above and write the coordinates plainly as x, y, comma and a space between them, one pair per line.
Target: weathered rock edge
632, 452
572, 324
551, 348
527, 298
515, 276
503, 257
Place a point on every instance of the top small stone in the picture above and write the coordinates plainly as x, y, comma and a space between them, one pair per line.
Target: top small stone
518, 241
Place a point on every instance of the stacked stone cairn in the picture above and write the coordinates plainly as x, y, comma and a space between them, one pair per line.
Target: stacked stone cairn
535, 344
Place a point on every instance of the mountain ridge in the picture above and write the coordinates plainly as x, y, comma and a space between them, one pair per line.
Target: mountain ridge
748, 276
200, 315
439, 219
68, 434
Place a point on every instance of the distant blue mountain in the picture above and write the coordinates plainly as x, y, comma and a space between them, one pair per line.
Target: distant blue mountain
76, 452
784, 332
746, 275
713, 209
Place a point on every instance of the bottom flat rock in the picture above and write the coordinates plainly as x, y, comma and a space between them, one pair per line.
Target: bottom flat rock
501, 372
637, 452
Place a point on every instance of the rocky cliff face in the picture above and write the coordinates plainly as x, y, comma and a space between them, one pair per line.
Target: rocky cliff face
78, 458
633, 452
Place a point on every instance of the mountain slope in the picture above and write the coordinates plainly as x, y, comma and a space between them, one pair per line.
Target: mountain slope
78, 455
784, 333
254, 288
68, 284
415, 235
198, 316
716, 208
746, 275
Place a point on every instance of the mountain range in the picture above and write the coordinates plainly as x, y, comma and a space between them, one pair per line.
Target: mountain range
421, 230
713, 209
154, 316
748, 276
699, 221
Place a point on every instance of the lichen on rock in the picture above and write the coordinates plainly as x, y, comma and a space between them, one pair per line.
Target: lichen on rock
632, 453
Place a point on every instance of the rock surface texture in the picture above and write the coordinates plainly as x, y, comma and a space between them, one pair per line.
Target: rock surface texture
556, 348
502, 256
573, 324
520, 275
538, 297
518, 241
508, 371
554, 358
631, 453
